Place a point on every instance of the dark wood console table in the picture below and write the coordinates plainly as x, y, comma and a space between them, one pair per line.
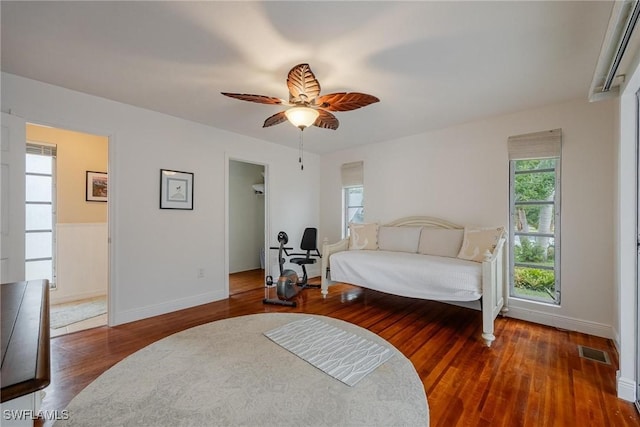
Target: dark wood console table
26, 361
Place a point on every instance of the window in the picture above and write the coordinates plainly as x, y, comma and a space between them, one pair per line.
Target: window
352, 195
40, 213
353, 207
535, 216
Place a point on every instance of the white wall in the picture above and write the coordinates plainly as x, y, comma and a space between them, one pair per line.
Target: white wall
246, 216
155, 254
461, 174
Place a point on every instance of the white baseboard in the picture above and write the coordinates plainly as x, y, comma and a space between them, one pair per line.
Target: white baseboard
626, 388
119, 318
74, 297
562, 322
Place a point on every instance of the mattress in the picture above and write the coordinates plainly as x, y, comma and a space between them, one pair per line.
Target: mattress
408, 274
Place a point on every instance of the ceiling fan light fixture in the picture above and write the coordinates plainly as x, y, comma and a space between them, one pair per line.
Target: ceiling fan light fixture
306, 106
302, 117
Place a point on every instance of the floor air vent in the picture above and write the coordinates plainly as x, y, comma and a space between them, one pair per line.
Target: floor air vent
594, 354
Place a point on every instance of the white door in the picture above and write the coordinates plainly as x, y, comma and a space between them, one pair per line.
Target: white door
638, 249
12, 191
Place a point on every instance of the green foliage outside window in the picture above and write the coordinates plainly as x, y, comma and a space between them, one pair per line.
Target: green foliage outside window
534, 279
527, 251
535, 186
536, 182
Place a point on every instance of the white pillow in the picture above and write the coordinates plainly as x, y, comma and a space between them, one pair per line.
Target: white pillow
479, 240
399, 239
440, 241
363, 236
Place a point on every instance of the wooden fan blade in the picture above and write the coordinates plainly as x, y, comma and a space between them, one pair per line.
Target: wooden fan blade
260, 99
276, 119
326, 120
343, 101
302, 84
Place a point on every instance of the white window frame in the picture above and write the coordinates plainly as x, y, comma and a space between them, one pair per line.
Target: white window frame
346, 206
555, 235
48, 150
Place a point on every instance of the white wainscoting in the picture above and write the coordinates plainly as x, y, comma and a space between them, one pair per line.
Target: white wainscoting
81, 261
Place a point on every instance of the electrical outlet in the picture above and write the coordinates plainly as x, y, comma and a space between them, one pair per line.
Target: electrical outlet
200, 273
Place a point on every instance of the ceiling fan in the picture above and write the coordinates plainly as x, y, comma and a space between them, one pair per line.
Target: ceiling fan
306, 106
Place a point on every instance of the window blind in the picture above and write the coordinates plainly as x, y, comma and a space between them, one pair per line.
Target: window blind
538, 145
352, 174
42, 150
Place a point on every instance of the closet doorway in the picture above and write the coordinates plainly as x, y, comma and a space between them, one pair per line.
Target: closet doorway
247, 218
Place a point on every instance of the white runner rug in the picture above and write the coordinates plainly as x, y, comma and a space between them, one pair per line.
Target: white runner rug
343, 355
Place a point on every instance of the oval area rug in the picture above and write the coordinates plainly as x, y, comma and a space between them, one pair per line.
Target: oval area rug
227, 373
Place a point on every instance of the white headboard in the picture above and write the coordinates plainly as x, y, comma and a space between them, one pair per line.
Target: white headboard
423, 221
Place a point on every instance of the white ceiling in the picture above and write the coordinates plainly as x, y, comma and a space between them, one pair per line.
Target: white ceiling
432, 64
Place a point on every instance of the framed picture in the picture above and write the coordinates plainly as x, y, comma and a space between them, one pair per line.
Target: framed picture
176, 189
97, 186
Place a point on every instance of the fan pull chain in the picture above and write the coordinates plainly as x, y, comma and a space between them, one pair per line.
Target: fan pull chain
301, 152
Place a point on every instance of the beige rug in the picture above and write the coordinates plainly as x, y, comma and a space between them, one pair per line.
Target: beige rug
227, 373
61, 315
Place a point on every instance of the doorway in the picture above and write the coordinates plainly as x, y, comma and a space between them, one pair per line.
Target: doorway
247, 219
66, 226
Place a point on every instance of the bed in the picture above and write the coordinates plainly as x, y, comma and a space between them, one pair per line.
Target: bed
413, 262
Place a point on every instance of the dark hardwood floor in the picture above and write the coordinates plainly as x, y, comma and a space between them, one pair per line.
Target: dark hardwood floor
246, 281
531, 376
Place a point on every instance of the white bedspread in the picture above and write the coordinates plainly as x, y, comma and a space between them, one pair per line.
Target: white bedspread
410, 275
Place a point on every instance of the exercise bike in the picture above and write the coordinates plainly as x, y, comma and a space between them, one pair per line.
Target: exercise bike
289, 284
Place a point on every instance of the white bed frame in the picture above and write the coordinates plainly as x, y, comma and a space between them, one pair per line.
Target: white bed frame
493, 301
